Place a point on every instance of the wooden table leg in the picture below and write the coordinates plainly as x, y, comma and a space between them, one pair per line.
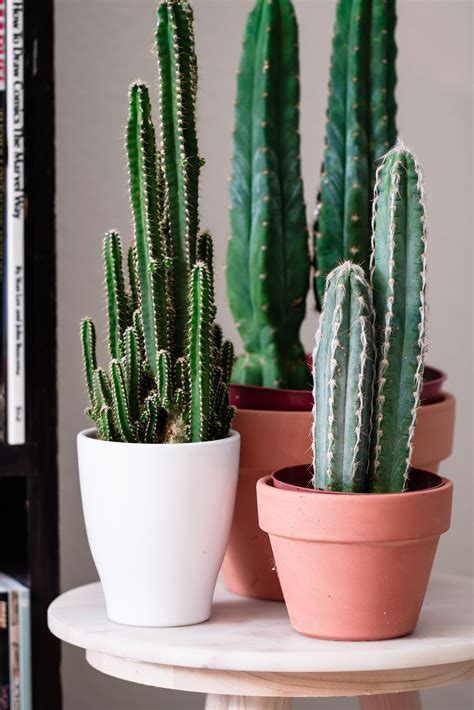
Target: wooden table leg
393, 701
242, 702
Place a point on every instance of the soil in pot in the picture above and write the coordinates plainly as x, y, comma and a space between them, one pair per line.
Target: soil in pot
353, 566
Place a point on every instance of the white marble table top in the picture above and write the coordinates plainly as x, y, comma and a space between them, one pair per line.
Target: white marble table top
249, 635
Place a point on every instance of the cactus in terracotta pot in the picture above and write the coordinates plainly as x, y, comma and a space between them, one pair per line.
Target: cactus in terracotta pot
368, 359
360, 129
268, 259
398, 274
343, 364
168, 379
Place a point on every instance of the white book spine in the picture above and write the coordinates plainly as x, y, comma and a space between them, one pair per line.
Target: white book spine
15, 217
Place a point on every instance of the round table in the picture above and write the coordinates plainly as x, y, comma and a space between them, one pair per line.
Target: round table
248, 656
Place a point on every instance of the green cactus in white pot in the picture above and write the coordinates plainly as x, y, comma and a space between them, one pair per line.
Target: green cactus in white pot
159, 473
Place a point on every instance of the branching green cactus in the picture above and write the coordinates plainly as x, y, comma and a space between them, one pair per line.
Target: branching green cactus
352, 404
398, 271
343, 382
268, 260
360, 129
170, 366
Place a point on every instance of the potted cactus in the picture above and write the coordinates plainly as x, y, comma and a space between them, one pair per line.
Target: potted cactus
268, 270
158, 474
354, 535
361, 127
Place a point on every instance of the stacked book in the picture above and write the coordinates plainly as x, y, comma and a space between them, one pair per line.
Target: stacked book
15, 645
12, 218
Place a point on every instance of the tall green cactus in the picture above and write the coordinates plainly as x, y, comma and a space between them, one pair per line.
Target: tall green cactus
398, 272
360, 129
170, 366
268, 259
352, 404
343, 382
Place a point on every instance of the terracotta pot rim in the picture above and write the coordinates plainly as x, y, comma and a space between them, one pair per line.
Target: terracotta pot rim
364, 518
443, 401
293, 488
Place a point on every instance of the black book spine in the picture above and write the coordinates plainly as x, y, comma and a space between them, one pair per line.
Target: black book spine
3, 414
4, 653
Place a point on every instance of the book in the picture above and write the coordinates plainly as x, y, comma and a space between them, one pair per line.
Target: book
14, 223
2, 216
4, 652
19, 644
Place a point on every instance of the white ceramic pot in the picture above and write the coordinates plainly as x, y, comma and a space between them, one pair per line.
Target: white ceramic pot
157, 518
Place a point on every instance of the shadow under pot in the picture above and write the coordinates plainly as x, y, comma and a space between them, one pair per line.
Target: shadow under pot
275, 427
353, 566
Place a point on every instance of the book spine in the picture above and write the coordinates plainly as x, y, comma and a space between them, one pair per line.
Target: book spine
4, 653
15, 216
25, 651
2, 217
14, 650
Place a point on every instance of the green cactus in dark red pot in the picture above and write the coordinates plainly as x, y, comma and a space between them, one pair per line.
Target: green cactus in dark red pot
268, 259
360, 129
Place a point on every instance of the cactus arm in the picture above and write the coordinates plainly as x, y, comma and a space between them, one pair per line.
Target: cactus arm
144, 197
133, 278
383, 108
200, 352
164, 381
102, 392
149, 417
89, 340
237, 271
180, 157
120, 403
268, 261
116, 297
398, 277
343, 381
132, 371
227, 361
105, 423
360, 128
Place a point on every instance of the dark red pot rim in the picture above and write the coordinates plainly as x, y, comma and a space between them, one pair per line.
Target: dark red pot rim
298, 479
283, 400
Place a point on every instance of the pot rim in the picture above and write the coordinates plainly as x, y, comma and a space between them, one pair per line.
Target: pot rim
90, 435
440, 400
293, 488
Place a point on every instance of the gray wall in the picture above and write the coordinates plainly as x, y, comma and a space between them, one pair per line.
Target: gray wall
101, 46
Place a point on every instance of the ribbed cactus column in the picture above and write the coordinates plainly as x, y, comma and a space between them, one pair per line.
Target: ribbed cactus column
343, 382
360, 129
169, 377
180, 156
268, 260
398, 275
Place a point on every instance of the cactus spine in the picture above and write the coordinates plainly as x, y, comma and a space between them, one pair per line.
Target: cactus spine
398, 271
355, 401
343, 382
360, 129
268, 260
170, 366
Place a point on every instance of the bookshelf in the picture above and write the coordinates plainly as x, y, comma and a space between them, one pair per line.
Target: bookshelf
28, 474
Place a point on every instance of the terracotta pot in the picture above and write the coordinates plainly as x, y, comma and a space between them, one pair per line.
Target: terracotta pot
434, 433
271, 440
354, 566
270, 398
268, 439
